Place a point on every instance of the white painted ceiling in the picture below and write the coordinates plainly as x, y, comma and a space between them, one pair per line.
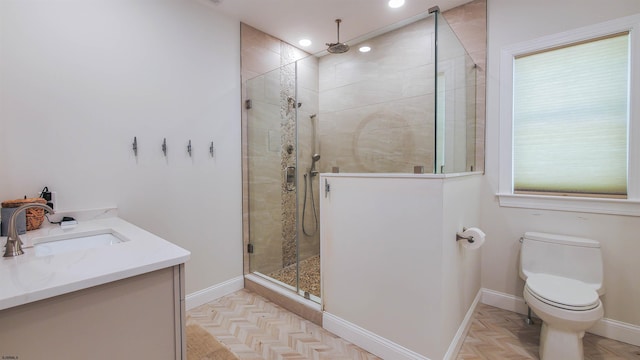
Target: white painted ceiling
292, 20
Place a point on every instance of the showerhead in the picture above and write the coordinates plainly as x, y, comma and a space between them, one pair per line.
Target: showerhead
337, 47
314, 160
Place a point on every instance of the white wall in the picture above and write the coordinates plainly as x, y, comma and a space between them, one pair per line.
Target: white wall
461, 268
390, 261
511, 22
80, 78
380, 251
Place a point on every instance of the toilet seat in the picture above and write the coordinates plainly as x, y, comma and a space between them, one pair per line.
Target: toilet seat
561, 292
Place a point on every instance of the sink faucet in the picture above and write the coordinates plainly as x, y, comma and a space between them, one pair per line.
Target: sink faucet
14, 244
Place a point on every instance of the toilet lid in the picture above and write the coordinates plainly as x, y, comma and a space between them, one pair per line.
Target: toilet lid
562, 292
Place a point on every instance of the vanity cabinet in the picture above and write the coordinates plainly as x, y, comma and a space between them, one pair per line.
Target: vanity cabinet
139, 317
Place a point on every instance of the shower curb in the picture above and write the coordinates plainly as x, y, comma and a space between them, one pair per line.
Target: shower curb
289, 300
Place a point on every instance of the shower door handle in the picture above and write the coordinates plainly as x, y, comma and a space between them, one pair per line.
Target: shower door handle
290, 177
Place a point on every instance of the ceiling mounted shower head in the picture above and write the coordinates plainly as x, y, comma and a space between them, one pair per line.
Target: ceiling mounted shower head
337, 47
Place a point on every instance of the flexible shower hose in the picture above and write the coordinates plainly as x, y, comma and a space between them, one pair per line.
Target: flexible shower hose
313, 205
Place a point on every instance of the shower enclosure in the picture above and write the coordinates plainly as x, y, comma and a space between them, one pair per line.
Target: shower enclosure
406, 106
283, 160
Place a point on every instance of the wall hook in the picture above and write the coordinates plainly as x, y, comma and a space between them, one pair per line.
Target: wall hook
212, 150
164, 147
134, 146
189, 148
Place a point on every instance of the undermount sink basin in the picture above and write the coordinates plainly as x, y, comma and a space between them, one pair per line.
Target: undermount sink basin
74, 242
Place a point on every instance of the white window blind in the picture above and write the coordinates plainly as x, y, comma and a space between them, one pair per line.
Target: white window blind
570, 119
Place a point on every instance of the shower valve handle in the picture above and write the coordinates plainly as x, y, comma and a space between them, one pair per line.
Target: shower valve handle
290, 177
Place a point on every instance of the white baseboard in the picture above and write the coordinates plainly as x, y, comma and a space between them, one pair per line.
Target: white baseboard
617, 330
504, 301
214, 292
608, 328
387, 349
367, 340
463, 329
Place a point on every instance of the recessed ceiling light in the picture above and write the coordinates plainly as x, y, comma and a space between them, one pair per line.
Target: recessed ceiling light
365, 49
304, 42
395, 3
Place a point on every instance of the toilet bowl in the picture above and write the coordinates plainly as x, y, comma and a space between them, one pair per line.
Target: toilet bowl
563, 283
567, 308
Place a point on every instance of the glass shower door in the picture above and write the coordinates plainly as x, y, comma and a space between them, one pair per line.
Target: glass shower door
272, 175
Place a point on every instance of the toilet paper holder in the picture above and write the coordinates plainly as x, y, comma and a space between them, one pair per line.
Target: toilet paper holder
461, 237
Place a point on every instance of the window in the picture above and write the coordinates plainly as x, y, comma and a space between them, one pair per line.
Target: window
570, 141
570, 119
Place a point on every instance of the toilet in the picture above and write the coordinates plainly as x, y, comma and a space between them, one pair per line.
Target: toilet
563, 284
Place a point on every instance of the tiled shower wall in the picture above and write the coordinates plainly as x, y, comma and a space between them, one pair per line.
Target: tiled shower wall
270, 146
307, 71
260, 54
377, 109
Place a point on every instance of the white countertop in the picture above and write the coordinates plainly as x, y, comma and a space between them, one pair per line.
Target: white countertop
28, 278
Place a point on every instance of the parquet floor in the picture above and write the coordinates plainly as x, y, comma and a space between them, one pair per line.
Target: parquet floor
500, 334
256, 329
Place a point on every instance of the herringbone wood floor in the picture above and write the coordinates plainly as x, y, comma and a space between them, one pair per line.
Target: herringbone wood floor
255, 329
501, 334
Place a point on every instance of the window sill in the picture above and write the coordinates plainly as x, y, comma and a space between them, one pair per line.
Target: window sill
567, 203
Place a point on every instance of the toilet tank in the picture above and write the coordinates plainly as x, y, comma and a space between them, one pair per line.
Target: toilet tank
561, 255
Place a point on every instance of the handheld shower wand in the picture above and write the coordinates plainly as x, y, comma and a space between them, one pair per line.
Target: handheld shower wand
314, 160
308, 187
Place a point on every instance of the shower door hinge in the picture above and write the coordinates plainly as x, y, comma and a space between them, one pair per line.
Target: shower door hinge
250, 248
327, 188
247, 104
